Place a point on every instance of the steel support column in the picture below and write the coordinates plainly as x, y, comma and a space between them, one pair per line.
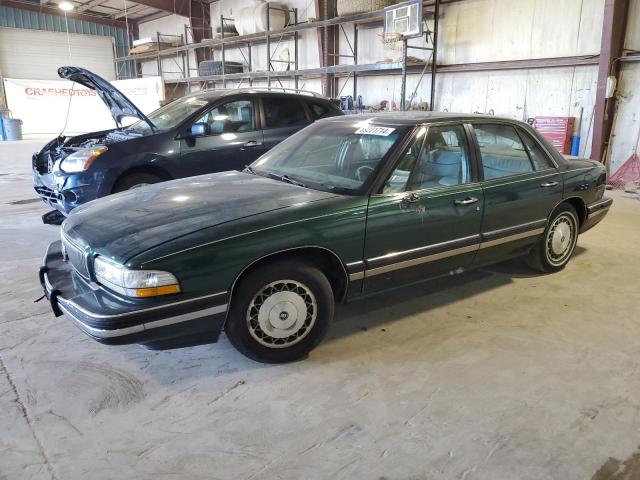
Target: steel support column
200, 19
611, 45
327, 43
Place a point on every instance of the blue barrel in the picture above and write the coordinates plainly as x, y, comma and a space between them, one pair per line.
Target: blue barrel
12, 129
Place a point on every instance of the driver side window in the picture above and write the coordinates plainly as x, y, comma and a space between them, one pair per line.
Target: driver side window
442, 162
399, 178
231, 117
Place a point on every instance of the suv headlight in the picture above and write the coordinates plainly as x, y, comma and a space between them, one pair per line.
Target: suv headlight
81, 160
134, 283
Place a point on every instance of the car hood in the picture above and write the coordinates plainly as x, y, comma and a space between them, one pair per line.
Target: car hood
128, 223
119, 105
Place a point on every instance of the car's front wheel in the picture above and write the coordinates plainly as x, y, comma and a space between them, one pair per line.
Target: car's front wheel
280, 312
554, 249
136, 180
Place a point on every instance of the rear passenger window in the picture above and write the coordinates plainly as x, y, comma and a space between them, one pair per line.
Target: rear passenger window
502, 151
318, 110
540, 159
283, 112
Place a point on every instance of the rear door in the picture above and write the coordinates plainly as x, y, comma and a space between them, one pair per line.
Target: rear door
234, 139
521, 185
282, 116
425, 220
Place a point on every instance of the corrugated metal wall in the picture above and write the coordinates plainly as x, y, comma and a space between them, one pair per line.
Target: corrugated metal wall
17, 18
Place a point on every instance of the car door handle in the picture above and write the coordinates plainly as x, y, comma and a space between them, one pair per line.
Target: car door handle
252, 143
411, 198
548, 184
466, 201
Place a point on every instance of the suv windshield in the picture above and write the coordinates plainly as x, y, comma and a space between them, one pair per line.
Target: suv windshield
172, 114
333, 156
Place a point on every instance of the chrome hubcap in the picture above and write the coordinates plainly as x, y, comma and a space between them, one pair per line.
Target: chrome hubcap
561, 239
281, 314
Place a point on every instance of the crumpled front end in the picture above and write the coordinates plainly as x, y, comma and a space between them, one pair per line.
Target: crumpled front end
65, 191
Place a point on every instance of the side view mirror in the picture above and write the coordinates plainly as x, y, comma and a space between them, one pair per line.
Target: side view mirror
200, 130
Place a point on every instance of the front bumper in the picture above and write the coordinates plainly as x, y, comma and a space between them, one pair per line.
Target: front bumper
113, 320
64, 192
596, 212
49, 190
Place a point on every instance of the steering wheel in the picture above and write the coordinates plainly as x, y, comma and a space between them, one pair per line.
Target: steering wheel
360, 172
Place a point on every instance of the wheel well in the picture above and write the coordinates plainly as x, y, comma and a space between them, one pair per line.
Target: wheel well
580, 207
152, 169
324, 260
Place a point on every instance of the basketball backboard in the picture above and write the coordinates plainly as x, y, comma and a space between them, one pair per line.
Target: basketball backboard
404, 18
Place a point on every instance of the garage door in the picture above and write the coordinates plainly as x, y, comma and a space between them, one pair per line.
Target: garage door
37, 54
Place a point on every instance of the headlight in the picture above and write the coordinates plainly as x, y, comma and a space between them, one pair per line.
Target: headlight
134, 283
81, 160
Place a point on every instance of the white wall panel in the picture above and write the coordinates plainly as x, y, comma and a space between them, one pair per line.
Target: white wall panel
632, 41
627, 121
518, 94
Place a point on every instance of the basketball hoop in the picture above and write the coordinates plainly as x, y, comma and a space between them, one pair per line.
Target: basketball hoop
392, 46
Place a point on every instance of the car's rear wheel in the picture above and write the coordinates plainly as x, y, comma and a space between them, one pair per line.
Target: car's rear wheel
554, 249
280, 312
136, 180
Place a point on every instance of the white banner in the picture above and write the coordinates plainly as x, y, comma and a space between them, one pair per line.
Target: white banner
42, 105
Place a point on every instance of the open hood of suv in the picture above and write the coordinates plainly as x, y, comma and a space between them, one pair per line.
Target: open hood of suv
119, 105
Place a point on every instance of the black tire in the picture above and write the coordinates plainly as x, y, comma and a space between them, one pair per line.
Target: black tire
284, 284
134, 180
554, 248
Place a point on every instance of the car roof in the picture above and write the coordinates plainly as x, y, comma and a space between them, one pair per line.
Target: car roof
416, 117
211, 95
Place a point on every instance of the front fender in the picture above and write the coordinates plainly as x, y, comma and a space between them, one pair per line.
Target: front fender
212, 259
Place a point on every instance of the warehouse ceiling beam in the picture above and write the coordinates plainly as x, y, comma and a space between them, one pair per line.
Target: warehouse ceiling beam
130, 11
54, 10
152, 16
89, 5
179, 7
611, 47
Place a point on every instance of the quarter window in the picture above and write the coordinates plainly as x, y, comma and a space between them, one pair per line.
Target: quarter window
230, 117
319, 110
502, 151
283, 112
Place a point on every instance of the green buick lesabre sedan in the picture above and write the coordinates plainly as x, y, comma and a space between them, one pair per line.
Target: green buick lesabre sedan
348, 207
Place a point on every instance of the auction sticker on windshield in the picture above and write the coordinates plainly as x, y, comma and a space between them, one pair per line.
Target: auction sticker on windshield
372, 130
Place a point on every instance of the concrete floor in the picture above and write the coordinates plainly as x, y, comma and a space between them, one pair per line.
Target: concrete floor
496, 374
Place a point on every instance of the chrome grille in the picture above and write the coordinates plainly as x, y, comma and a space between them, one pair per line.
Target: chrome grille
77, 257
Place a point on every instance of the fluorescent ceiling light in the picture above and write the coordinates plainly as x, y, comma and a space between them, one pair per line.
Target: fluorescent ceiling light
66, 6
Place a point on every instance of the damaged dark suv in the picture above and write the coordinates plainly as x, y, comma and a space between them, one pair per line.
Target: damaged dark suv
211, 131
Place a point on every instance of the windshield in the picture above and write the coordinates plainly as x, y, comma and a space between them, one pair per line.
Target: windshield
172, 114
333, 156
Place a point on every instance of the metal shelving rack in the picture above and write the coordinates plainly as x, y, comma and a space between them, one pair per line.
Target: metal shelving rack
291, 32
